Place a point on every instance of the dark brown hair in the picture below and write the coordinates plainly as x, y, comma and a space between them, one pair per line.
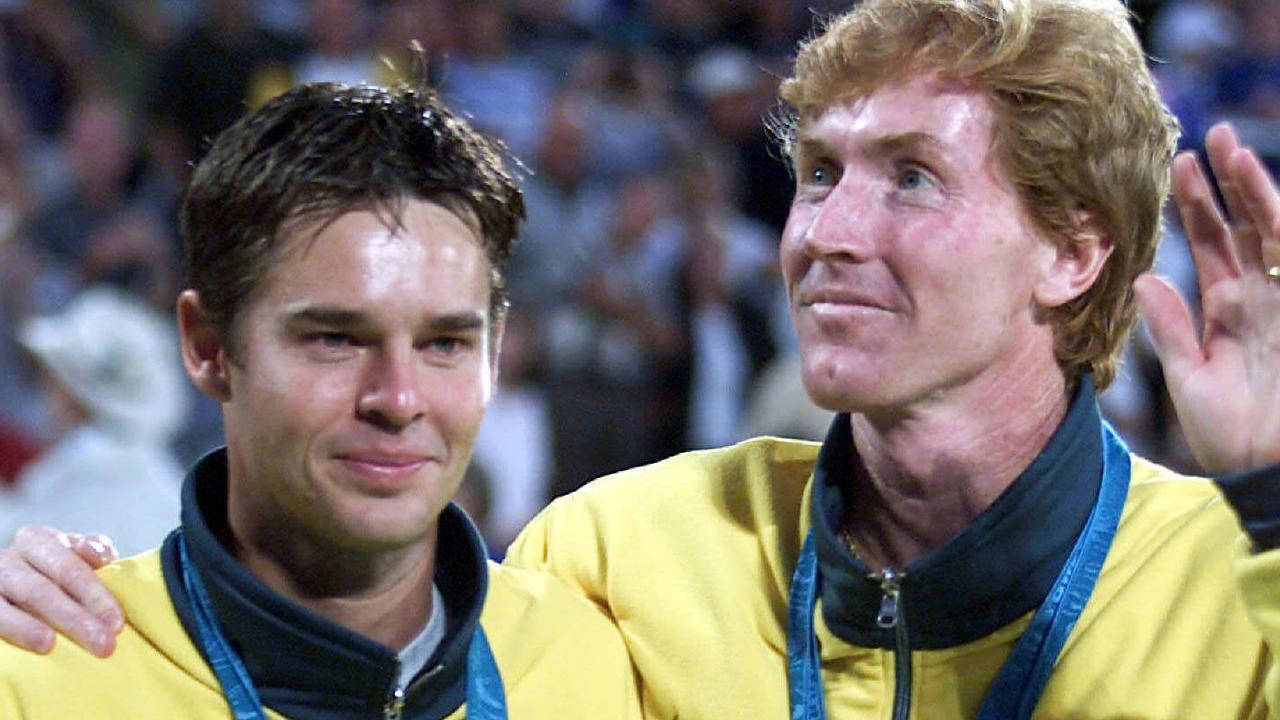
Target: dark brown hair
320, 151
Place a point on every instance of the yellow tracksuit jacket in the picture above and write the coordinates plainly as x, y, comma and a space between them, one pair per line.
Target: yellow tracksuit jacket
559, 657
693, 558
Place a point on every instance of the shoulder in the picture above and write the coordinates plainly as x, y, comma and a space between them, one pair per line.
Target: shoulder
537, 606
696, 523
1179, 523
695, 499
756, 471
558, 653
153, 659
1159, 494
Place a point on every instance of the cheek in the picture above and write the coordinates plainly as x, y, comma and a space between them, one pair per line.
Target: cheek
461, 401
285, 400
791, 257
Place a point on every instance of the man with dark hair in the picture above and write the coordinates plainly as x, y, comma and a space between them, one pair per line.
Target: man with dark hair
344, 250
978, 191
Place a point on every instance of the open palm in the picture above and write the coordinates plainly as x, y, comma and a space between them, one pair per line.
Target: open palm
1225, 384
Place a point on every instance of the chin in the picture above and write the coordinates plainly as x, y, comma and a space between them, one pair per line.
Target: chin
389, 522
841, 385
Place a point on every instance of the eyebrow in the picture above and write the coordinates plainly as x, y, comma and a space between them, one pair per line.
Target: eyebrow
910, 142
336, 317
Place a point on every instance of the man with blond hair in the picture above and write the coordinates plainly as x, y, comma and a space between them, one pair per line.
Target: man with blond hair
978, 191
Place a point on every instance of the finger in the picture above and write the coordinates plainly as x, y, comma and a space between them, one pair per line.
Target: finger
1221, 145
78, 604
66, 567
1262, 203
30, 597
19, 628
1173, 335
97, 549
1208, 237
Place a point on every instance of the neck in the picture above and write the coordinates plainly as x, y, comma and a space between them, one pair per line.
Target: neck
385, 595
927, 473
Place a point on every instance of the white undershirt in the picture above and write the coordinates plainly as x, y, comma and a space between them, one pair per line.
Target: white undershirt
415, 655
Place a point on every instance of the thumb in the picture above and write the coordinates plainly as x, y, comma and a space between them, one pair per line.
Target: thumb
1173, 335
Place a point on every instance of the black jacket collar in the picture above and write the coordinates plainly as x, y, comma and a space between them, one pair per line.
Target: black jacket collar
993, 572
302, 664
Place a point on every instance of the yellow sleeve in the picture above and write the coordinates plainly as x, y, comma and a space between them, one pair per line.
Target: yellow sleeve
1258, 577
566, 545
559, 656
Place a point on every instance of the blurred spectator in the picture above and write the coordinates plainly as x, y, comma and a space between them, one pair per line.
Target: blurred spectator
617, 344
633, 128
1189, 38
125, 38
117, 388
20, 402
778, 404
429, 23
515, 439
1250, 82
132, 252
680, 29
220, 65
473, 496
568, 211
46, 60
556, 31
733, 286
505, 93
778, 25
338, 48
98, 152
735, 93
17, 450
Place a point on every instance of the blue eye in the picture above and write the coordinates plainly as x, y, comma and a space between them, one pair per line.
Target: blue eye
446, 344
912, 178
816, 172
333, 339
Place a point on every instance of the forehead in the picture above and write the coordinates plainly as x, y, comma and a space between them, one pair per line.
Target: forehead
422, 259
922, 111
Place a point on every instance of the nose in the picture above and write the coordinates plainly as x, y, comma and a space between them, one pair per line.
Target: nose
392, 396
839, 226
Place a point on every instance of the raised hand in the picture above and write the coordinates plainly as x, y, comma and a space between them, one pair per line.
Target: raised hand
1225, 384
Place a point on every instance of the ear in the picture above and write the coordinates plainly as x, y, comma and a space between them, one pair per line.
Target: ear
203, 352
1073, 264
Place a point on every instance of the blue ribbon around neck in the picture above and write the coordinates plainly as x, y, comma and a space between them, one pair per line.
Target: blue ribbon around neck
486, 699
1017, 688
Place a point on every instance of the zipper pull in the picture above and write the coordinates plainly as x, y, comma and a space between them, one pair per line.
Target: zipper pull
394, 706
890, 587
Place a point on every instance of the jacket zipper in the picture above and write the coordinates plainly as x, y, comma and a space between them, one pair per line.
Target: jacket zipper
394, 706
892, 617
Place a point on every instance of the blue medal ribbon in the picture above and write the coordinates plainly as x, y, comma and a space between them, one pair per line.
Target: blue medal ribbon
1021, 680
486, 699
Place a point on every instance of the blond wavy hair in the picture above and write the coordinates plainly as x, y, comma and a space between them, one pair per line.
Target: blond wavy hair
1080, 129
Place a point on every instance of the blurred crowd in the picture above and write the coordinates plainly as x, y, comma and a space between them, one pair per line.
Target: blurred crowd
648, 316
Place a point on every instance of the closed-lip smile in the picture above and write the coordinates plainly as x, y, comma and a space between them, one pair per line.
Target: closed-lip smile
837, 299
383, 465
